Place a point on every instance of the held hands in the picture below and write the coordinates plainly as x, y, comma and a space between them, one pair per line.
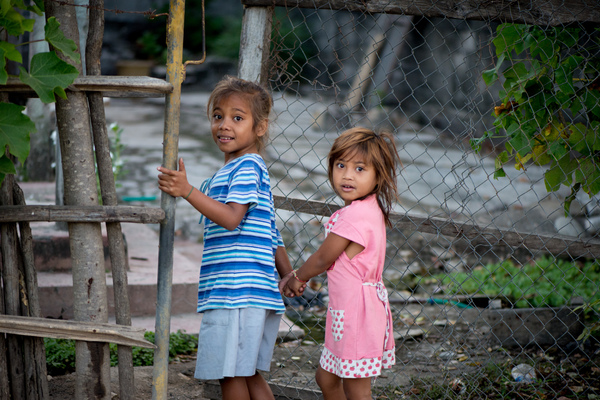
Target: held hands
289, 286
173, 182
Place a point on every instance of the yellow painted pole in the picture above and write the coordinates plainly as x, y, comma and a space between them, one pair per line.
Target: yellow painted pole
167, 229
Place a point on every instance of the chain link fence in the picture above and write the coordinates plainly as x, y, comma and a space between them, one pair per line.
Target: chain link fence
483, 274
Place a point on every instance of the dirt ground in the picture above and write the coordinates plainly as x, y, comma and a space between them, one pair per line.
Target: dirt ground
181, 384
295, 362
435, 344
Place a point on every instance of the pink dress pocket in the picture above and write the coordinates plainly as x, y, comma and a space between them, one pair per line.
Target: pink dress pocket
337, 324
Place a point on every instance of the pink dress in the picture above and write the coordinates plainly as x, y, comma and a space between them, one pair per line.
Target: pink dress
359, 339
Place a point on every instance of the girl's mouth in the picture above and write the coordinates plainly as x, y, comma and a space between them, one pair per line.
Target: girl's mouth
224, 139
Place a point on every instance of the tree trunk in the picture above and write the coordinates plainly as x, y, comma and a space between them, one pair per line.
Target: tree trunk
89, 278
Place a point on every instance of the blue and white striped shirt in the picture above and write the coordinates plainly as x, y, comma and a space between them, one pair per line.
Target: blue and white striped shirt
238, 267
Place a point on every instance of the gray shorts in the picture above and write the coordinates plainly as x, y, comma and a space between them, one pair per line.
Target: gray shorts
236, 342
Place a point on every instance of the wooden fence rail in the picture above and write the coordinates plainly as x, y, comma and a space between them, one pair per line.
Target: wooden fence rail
144, 215
543, 13
476, 235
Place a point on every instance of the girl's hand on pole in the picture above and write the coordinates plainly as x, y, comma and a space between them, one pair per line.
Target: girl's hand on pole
173, 182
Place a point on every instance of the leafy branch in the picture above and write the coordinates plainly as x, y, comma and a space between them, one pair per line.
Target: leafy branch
550, 111
47, 75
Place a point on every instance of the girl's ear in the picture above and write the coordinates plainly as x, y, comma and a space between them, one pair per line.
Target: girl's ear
261, 128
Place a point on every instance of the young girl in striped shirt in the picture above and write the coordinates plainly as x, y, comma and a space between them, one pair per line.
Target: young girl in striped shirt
243, 250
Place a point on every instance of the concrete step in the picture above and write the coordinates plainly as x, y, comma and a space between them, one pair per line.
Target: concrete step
56, 288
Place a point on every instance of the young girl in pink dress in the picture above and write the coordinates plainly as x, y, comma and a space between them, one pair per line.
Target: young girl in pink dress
359, 340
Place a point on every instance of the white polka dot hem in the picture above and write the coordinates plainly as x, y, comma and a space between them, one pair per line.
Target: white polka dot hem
365, 368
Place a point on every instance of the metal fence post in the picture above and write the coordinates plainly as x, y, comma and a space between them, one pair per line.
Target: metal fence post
165, 254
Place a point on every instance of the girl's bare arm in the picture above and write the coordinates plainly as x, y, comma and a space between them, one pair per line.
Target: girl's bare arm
282, 262
175, 183
331, 248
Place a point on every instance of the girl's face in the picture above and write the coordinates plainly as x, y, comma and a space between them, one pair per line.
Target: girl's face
353, 178
232, 127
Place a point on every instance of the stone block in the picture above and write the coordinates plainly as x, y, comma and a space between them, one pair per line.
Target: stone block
522, 327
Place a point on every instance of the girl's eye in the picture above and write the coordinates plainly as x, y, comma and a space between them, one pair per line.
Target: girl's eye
339, 165
238, 118
359, 169
217, 116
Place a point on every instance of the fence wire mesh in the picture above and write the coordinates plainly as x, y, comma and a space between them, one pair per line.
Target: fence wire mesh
471, 306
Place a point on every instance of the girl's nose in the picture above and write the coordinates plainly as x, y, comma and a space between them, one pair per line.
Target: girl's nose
224, 124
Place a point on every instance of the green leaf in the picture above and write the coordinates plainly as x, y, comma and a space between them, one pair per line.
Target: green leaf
577, 137
501, 159
476, 144
592, 101
564, 80
568, 37
553, 178
516, 72
5, 6
557, 149
37, 7
56, 37
593, 182
15, 128
588, 175
522, 144
6, 167
7, 51
49, 75
506, 36
15, 24
564, 101
499, 173
490, 76
544, 49
19, 4
11, 52
577, 105
3, 73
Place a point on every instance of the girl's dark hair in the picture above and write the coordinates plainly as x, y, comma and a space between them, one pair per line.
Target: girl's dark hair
258, 97
378, 150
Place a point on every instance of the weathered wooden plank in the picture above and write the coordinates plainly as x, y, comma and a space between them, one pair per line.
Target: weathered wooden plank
144, 215
35, 352
10, 275
106, 178
475, 234
77, 330
536, 12
254, 48
110, 86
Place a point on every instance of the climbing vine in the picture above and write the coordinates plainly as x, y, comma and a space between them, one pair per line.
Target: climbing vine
47, 75
550, 111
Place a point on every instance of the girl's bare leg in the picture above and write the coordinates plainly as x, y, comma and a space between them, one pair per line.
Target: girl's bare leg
234, 388
330, 384
358, 388
246, 388
258, 388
